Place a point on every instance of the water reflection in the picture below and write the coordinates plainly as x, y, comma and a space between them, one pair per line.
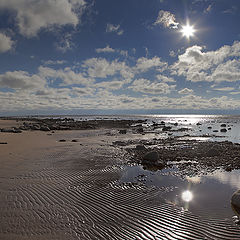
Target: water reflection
207, 196
187, 196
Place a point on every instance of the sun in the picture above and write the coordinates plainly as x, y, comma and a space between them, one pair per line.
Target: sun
188, 31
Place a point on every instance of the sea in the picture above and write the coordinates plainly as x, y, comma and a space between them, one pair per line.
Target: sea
200, 127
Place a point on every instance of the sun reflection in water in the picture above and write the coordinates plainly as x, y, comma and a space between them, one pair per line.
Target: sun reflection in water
187, 196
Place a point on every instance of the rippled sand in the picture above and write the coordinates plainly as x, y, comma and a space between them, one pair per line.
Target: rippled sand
71, 190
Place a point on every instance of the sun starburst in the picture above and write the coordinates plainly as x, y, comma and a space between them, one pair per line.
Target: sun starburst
188, 31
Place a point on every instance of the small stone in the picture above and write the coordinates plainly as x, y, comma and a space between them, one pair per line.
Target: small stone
223, 130
62, 140
223, 125
74, 140
141, 148
123, 131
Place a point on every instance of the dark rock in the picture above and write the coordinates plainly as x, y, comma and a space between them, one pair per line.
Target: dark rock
122, 131
3, 143
198, 124
62, 140
175, 124
215, 130
209, 127
141, 148
223, 130
140, 130
74, 140
150, 157
120, 143
213, 152
6, 130
223, 125
45, 128
229, 128
167, 128
228, 168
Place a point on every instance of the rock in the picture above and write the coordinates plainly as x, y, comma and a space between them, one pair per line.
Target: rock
229, 128
17, 130
228, 168
62, 140
123, 131
235, 202
45, 128
141, 148
175, 124
209, 127
168, 128
198, 124
74, 140
140, 130
120, 143
212, 152
215, 130
223, 130
150, 158
35, 127
223, 125
7, 130
3, 143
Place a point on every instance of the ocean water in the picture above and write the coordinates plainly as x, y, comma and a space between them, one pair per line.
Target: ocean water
201, 127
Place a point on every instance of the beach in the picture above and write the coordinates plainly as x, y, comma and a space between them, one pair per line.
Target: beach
92, 180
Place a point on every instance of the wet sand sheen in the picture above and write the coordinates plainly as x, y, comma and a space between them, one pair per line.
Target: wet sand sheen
72, 191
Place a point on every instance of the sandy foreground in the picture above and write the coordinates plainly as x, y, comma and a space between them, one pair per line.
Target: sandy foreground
72, 190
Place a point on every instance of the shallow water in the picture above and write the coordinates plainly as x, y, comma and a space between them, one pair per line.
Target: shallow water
211, 193
184, 121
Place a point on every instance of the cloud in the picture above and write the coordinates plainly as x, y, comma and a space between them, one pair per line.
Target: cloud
224, 89
67, 76
52, 62
107, 49
163, 78
166, 19
212, 66
65, 43
185, 91
144, 64
208, 9
32, 16
102, 68
21, 80
5, 43
145, 86
114, 28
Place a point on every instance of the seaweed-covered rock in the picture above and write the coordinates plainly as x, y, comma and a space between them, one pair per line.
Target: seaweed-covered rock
150, 157
123, 131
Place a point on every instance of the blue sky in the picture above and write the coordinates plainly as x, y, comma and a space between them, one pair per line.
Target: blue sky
85, 56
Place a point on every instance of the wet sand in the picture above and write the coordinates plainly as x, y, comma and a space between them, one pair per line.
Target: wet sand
72, 190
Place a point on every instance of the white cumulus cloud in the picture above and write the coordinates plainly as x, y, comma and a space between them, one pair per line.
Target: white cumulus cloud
5, 43
167, 19
32, 16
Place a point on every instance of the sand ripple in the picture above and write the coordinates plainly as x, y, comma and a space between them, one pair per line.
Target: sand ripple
73, 201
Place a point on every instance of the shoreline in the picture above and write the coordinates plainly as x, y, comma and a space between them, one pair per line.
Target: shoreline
73, 190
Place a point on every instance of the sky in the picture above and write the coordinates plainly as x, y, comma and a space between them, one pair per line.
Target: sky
115, 56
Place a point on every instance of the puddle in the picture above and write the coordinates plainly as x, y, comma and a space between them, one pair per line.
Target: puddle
206, 196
